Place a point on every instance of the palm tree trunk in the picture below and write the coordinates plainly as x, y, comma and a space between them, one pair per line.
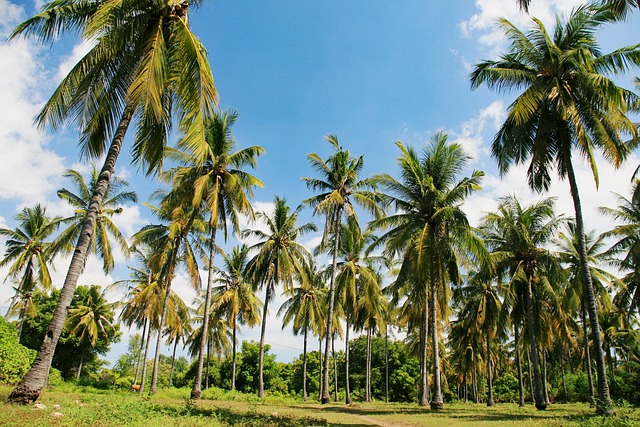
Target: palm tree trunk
347, 392
604, 405
367, 380
465, 388
233, 365
490, 401
519, 363
611, 370
587, 357
144, 361
564, 382
335, 367
537, 380
29, 388
81, 362
304, 365
529, 370
320, 367
326, 398
545, 389
206, 377
173, 362
475, 378
424, 375
197, 383
386, 363
263, 330
436, 400
156, 360
142, 341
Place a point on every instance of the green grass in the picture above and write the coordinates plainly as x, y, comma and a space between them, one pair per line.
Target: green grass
91, 407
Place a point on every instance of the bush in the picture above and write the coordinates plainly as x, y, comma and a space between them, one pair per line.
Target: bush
15, 359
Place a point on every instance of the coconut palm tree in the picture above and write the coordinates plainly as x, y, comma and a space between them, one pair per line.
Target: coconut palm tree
29, 253
518, 235
175, 241
305, 308
568, 106
279, 258
216, 180
235, 298
339, 185
429, 229
620, 8
91, 319
145, 67
105, 230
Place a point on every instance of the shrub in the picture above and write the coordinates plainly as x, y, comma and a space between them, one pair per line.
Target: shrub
15, 359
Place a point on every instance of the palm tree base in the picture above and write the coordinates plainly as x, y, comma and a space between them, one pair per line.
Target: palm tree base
195, 395
436, 406
22, 395
490, 402
541, 406
606, 411
324, 400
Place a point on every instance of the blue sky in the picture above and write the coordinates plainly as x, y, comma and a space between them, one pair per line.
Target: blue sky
370, 72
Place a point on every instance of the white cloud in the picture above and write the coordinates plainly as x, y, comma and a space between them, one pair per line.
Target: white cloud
471, 134
78, 52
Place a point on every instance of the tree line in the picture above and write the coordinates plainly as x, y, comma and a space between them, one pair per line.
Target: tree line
459, 292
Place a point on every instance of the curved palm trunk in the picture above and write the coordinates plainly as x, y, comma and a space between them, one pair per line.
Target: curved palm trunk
142, 341
144, 362
436, 400
604, 405
347, 391
519, 363
84, 350
197, 383
173, 362
263, 330
538, 393
587, 356
326, 398
233, 365
490, 401
304, 365
156, 360
28, 390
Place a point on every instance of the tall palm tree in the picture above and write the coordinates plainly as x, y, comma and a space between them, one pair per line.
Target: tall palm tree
235, 298
175, 241
216, 180
105, 230
145, 65
480, 315
517, 235
305, 308
339, 185
354, 275
91, 319
279, 258
568, 106
29, 253
620, 8
430, 229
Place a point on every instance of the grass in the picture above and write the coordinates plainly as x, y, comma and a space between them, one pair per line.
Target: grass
91, 407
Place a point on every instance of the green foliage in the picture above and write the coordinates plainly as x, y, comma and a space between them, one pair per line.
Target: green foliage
15, 359
70, 347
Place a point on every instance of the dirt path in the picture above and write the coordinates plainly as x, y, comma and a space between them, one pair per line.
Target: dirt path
382, 423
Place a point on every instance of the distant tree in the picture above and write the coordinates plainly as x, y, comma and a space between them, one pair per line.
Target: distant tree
29, 254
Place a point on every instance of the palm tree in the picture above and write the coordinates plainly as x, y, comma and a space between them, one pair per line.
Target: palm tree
216, 180
145, 65
338, 186
29, 254
91, 319
178, 328
517, 235
429, 229
354, 275
174, 242
568, 105
480, 315
104, 229
279, 258
235, 298
305, 309
620, 8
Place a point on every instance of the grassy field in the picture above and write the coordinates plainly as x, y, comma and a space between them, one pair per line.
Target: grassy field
90, 407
